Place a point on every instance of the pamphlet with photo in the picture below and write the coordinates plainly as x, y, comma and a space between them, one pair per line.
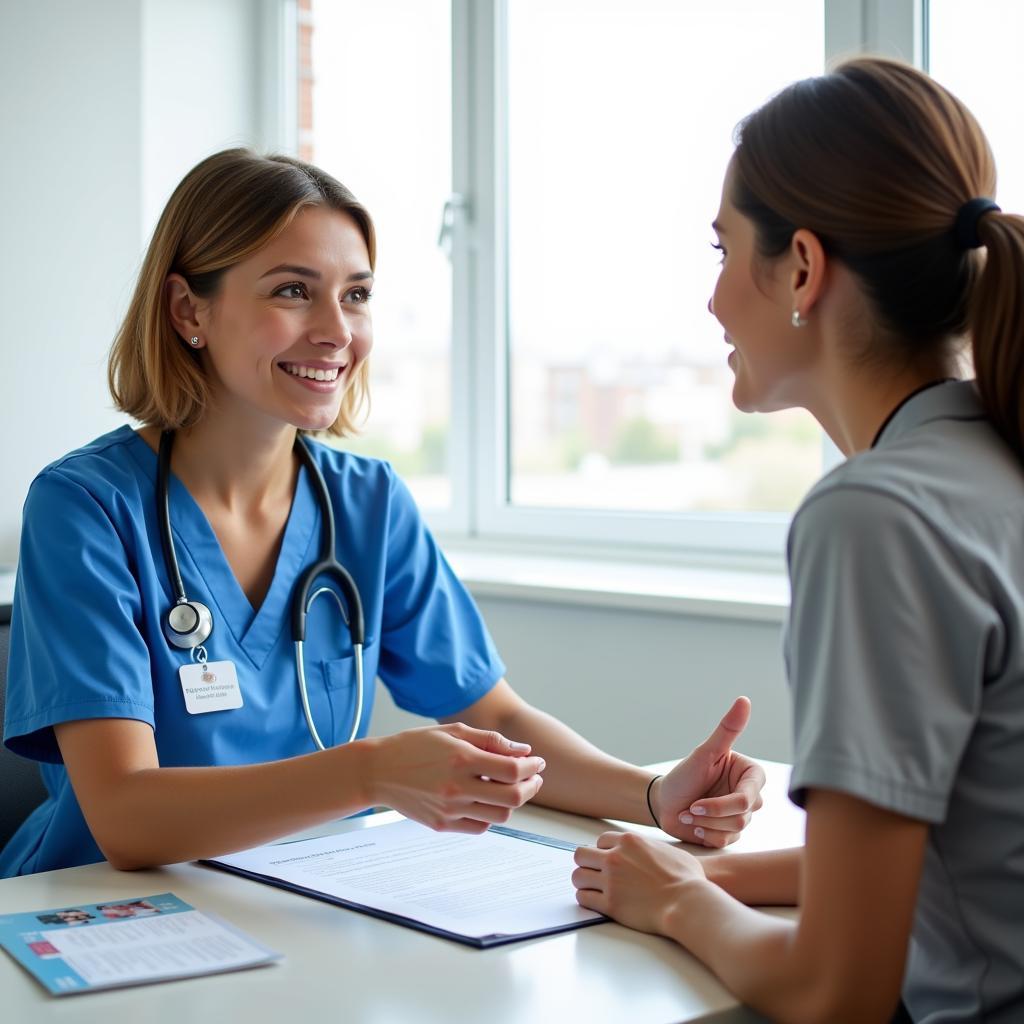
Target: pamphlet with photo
122, 942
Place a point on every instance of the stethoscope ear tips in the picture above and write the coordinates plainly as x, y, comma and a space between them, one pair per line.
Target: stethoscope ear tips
188, 625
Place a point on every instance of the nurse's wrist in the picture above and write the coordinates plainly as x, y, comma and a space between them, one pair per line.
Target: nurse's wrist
362, 772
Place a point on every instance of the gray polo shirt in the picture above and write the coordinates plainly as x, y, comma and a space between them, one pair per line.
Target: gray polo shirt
905, 652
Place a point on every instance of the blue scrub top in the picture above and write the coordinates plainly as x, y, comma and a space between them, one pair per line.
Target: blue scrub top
92, 592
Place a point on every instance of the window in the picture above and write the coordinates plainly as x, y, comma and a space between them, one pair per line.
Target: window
375, 112
551, 371
620, 127
968, 41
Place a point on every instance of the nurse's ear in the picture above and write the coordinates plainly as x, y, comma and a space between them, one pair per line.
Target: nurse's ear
182, 308
807, 272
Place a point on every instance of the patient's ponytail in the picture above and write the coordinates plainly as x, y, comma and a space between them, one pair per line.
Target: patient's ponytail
996, 324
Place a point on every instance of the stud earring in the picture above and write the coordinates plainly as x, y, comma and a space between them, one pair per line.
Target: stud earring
194, 341
797, 320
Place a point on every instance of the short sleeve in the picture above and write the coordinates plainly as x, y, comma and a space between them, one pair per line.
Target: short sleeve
76, 652
436, 655
885, 649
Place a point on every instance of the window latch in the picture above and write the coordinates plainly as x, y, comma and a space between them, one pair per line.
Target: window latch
455, 208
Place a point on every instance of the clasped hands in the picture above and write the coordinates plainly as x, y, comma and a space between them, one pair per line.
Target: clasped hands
453, 778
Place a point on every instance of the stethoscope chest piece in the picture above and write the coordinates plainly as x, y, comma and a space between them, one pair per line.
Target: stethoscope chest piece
188, 624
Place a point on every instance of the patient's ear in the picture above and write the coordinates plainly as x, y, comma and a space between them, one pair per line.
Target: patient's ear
807, 275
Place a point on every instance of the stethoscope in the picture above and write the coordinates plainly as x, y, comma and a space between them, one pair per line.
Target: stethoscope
188, 624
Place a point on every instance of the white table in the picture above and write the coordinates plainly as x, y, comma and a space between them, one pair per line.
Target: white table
344, 966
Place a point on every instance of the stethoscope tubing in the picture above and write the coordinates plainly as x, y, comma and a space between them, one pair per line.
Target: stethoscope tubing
163, 505
300, 671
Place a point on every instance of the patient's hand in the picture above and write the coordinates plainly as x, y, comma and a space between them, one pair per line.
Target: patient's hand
633, 879
708, 797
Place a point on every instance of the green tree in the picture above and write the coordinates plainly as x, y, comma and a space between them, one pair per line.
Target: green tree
638, 441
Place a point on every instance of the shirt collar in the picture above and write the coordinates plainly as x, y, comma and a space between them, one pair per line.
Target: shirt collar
950, 400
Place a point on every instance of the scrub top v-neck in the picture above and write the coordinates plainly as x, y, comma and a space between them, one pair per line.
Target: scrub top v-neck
92, 590
254, 631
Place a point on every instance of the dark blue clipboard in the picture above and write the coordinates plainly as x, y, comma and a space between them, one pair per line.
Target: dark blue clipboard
477, 942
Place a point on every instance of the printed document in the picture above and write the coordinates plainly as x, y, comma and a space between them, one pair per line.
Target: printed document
485, 890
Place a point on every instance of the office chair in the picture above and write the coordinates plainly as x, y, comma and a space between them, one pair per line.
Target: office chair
21, 786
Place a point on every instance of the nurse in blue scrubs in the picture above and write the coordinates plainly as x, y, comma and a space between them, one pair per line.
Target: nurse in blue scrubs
250, 325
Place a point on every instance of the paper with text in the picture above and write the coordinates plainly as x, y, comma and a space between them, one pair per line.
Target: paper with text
497, 884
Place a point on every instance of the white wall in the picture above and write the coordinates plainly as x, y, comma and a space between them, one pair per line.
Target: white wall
70, 125
644, 686
105, 105
200, 79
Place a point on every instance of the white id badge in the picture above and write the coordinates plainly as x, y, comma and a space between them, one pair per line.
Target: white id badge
210, 686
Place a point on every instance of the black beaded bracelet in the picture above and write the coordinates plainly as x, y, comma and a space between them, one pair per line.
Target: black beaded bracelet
650, 786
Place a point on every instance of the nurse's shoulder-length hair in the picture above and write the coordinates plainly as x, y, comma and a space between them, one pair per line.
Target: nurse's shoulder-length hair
226, 208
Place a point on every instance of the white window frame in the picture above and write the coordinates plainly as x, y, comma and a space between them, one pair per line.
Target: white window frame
478, 446
277, 81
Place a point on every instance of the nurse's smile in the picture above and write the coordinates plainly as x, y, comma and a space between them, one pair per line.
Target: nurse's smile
322, 377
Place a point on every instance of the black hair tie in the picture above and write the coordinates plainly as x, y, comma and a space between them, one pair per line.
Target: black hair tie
965, 228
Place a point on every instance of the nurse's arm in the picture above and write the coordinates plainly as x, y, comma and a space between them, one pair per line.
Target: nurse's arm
706, 799
141, 814
579, 777
842, 961
450, 778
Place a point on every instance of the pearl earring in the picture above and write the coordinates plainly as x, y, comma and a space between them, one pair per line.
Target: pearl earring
797, 320
194, 341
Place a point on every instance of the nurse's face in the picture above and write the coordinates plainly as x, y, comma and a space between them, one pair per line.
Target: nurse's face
753, 302
290, 324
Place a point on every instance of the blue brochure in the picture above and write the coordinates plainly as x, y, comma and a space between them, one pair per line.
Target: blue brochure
92, 946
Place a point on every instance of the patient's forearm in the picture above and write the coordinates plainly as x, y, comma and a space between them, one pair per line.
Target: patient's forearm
771, 878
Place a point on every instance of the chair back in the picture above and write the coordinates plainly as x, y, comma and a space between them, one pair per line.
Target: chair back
21, 785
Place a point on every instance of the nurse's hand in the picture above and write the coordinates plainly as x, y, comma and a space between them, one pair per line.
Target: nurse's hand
452, 778
633, 879
708, 797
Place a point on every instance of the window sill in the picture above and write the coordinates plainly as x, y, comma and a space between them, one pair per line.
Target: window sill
751, 594
758, 595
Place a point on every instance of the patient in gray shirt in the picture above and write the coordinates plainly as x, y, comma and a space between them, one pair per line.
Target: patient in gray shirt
905, 652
